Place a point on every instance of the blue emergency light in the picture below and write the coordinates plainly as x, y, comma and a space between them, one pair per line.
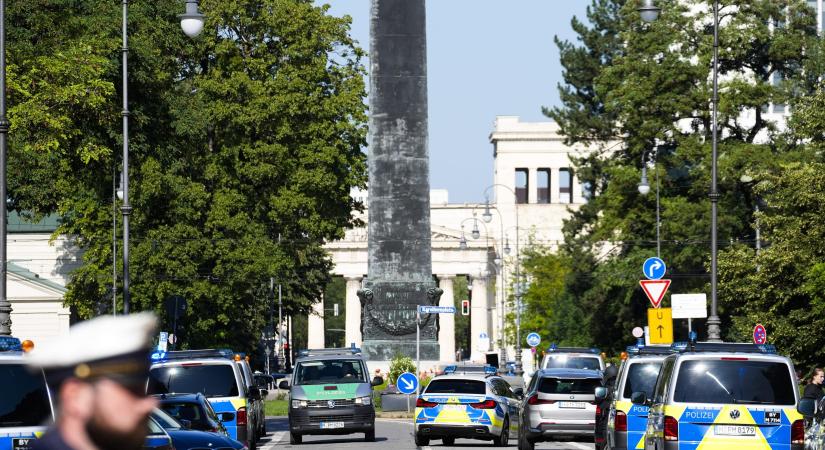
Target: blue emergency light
490, 370
10, 344
449, 369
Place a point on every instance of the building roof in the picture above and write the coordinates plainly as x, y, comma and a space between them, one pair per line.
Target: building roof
18, 224
34, 278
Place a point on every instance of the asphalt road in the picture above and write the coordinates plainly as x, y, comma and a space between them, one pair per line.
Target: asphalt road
390, 434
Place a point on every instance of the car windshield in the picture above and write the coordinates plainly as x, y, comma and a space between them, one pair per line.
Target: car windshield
165, 420
182, 410
571, 362
641, 377
211, 380
735, 381
338, 371
24, 400
456, 386
569, 386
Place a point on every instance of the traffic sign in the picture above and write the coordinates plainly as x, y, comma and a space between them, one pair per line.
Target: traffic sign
407, 383
689, 306
533, 339
655, 290
654, 268
483, 342
426, 309
638, 332
660, 322
163, 340
760, 334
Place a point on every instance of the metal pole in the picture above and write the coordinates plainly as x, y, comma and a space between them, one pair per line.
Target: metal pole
114, 240
417, 352
714, 330
5, 305
126, 209
658, 220
519, 370
280, 324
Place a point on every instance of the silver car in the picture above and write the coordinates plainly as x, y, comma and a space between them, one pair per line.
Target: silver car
559, 403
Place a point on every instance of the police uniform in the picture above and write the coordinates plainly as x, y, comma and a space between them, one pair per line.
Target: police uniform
107, 347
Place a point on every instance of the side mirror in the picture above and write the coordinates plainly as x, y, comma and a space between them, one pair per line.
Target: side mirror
254, 393
639, 398
807, 407
264, 393
601, 393
519, 393
226, 416
283, 385
185, 424
377, 381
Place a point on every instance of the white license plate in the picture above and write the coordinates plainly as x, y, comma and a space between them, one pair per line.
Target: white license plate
331, 425
578, 405
734, 430
449, 407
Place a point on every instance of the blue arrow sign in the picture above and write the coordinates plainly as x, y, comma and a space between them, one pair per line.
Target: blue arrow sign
407, 383
436, 309
654, 268
533, 339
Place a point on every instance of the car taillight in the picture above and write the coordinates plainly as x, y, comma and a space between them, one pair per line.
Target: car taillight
534, 400
798, 432
598, 410
421, 403
241, 417
621, 421
671, 429
487, 404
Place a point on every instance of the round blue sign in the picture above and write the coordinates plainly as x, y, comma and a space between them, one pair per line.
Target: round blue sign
654, 268
533, 339
760, 335
407, 383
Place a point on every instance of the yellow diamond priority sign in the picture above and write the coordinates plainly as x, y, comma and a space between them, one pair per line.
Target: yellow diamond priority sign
660, 323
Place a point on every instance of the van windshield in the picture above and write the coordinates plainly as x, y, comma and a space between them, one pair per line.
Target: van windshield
641, 377
569, 386
336, 371
571, 362
735, 381
24, 401
211, 380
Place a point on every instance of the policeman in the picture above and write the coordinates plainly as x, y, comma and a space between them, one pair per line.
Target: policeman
97, 377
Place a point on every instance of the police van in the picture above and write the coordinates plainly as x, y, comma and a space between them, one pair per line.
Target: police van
626, 422
718, 396
216, 375
331, 393
25, 404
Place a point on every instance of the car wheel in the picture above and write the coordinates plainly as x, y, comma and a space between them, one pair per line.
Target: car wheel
503, 439
448, 441
523, 442
421, 441
369, 436
295, 438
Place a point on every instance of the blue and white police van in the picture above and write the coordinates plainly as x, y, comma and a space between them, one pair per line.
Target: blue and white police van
25, 404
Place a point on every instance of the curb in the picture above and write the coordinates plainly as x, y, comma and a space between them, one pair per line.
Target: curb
394, 415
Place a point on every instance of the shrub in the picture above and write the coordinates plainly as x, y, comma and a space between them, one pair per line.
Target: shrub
399, 365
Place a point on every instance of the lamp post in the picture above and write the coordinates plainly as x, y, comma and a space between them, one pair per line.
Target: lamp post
650, 13
192, 23
5, 306
519, 370
505, 249
644, 189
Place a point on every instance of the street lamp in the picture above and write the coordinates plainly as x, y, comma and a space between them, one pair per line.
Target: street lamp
192, 24
644, 189
5, 305
650, 13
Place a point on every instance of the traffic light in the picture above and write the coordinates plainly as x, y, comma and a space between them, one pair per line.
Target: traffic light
465, 307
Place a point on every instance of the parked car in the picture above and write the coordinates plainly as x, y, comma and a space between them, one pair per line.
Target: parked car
184, 438
157, 438
194, 410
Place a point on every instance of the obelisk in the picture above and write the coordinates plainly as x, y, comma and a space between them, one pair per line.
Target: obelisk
400, 259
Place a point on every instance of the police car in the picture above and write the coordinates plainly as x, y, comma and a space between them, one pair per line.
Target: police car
720, 396
589, 358
626, 422
25, 405
214, 374
469, 406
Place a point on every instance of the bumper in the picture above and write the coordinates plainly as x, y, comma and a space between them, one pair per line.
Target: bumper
455, 431
670, 445
355, 419
552, 430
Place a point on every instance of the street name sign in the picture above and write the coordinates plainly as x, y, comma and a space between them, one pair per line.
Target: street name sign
533, 339
689, 306
424, 309
660, 323
655, 290
654, 268
760, 334
407, 383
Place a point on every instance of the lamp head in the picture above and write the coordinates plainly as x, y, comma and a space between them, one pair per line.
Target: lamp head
462, 243
649, 11
192, 21
506, 246
475, 233
644, 186
487, 216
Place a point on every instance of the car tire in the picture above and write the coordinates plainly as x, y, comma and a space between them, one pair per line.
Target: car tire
524, 443
369, 436
421, 441
448, 441
295, 438
503, 440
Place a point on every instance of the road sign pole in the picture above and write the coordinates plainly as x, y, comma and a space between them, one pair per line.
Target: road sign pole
417, 352
690, 325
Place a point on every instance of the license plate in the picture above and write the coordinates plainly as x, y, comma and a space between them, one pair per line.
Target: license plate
449, 407
331, 425
22, 443
578, 405
734, 430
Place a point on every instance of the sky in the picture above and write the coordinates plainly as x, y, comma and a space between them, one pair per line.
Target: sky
486, 58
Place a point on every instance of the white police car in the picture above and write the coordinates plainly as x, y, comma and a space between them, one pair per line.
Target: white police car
469, 406
25, 405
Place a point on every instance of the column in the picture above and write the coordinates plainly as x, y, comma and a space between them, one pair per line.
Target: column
315, 323
479, 311
353, 311
446, 331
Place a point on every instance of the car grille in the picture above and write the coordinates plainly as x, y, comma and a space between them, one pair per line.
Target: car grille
342, 418
325, 403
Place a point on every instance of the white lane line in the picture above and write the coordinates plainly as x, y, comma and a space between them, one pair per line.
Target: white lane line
274, 440
579, 445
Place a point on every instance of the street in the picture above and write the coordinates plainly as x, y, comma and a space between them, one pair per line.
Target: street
390, 433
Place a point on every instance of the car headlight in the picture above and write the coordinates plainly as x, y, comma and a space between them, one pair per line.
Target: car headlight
363, 401
299, 403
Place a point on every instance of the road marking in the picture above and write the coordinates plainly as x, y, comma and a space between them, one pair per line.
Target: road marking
274, 440
579, 445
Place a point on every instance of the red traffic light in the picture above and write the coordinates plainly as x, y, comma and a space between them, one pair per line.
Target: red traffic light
465, 307
286, 345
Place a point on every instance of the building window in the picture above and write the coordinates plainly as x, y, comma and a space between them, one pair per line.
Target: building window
522, 185
776, 80
565, 186
543, 188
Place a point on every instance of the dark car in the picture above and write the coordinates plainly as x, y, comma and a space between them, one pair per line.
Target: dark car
193, 410
186, 439
157, 438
